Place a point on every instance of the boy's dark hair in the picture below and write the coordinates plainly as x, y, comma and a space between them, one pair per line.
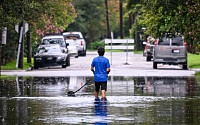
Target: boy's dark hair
101, 51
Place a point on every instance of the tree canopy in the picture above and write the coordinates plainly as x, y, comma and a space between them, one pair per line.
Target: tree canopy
169, 16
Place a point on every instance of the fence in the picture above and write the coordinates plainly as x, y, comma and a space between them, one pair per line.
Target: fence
119, 44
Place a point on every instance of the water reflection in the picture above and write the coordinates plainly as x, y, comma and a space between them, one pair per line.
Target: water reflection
100, 111
130, 100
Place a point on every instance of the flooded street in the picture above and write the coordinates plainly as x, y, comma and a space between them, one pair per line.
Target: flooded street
130, 100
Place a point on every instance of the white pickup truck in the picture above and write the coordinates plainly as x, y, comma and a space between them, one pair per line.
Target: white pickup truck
78, 39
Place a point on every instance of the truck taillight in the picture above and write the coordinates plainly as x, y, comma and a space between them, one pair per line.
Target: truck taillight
145, 47
156, 42
81, 43
185, 44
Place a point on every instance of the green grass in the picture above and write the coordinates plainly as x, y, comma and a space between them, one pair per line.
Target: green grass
12, 65
193, 61
197, 74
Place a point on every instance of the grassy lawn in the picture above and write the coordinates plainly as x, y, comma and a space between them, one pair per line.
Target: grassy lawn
12, 65
193, 61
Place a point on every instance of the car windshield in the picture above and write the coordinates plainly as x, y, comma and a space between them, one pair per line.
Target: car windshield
54, 41
177, 41
72, 36
48, 49
164, 41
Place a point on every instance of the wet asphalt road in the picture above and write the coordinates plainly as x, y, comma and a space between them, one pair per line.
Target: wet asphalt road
130, 100
121, 65
137, 94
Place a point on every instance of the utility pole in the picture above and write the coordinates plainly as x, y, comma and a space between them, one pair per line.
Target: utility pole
107, 19
121, 19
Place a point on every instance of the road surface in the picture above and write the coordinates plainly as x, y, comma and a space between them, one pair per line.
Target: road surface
121, 65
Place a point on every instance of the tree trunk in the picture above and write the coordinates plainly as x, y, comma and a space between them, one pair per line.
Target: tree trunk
107, 19
29, 44
130, 21
0, 52
136, 38
121, 19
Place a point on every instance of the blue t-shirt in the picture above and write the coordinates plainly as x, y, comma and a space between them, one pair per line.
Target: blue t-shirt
100, 64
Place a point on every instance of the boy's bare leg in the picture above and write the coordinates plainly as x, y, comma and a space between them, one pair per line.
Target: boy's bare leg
96, 94
103, 93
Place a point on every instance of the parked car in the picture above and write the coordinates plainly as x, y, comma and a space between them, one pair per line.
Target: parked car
51, 55
72, 48
78, 39
55, 39
148, 51
172, 51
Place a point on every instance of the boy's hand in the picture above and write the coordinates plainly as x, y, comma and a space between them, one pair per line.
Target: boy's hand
93, 71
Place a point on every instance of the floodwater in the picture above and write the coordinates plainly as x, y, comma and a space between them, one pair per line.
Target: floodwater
130, 100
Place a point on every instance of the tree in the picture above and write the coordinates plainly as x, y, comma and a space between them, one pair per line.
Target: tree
90, 19
107, 20
134, 9
43, 16
121, 19
180, 16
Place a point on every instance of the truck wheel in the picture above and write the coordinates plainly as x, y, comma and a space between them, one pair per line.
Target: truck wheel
64, 66
185, 66
84, 52
154, 65
148, 58
36, 66
68, 61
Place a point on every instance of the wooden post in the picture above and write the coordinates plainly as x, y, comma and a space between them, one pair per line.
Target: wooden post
29, 47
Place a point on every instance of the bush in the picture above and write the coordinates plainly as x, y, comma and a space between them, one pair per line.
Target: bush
96, 44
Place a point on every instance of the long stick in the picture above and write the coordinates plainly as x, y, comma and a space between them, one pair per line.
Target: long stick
82, 86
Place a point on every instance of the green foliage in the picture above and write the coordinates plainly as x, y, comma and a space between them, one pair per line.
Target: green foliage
96, 44
180, 16
90, 19
43, 16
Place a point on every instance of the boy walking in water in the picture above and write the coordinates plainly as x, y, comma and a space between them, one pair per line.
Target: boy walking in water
100, 67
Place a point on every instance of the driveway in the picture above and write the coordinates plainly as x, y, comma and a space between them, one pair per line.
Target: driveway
122, 64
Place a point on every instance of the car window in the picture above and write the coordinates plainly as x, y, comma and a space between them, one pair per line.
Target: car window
72, 36
152, 43
177, 41
48, 49
54, 41
164, 41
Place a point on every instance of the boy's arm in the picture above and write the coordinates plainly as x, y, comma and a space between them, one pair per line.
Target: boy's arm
92, 69
108, 70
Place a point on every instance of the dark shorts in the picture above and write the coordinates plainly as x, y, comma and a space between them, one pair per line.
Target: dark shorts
103, 86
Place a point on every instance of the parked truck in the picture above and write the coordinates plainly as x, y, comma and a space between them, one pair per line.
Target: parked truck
78, 39
172, 51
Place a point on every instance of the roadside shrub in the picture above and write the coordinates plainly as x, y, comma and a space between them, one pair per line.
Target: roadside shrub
96, 44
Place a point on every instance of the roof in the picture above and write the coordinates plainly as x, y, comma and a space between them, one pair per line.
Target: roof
53, 36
